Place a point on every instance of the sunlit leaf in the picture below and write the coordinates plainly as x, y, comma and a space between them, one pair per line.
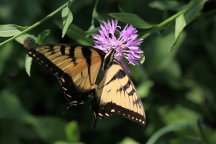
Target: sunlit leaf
95, 14
144, 88
69, 2
180, 23
67, 18
28, 63
91, 31
177, 42
72, 131
132, 19
64, 142
128, 140
142, 59
10, 30
42, 36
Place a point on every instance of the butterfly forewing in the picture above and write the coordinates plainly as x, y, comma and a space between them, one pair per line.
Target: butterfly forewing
76, 67
117, 95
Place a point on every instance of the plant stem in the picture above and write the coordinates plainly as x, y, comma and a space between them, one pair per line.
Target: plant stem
165, 22
35, 24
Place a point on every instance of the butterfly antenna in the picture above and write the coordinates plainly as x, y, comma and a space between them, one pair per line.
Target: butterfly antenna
95, 111
95, 122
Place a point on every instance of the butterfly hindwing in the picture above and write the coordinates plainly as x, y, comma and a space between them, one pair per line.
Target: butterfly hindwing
76, 67
117, 95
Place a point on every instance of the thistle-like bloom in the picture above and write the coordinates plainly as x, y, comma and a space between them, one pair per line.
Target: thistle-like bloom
125, 41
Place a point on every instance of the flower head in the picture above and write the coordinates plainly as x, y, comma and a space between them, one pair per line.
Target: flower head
125, 41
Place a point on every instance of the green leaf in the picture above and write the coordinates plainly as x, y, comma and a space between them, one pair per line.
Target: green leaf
63, 142
144, 88
95, 15
10, 30
177, 42
166, 5
142, 59
76, 33
131, 19
42, 36
69, 2
28, 63
91, 31
72, 131
94, 12
180, 23
128, 140
67, 18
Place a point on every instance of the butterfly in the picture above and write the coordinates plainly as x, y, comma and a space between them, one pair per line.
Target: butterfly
84, 72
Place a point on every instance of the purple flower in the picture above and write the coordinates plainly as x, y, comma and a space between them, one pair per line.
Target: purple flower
125, 41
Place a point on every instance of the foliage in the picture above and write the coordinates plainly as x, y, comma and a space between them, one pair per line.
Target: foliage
176, 82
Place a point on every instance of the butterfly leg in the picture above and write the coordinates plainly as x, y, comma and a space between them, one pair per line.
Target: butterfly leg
94, 108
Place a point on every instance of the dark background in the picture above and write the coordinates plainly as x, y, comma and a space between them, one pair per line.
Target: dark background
178, 88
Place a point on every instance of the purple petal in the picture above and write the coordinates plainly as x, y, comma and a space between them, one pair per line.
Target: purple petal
126, 44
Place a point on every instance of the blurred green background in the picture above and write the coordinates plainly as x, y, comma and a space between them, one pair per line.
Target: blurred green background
178, 88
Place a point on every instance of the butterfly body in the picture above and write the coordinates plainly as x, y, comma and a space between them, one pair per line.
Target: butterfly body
85, 71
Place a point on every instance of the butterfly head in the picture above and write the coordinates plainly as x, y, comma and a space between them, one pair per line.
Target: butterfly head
108, 59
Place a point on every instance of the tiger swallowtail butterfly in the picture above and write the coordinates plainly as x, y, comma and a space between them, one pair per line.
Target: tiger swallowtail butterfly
84, 71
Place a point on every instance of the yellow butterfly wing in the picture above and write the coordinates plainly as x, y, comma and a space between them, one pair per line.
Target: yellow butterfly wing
117, 95
76, 67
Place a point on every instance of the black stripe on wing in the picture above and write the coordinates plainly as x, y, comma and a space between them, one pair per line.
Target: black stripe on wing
111, 108
87, 54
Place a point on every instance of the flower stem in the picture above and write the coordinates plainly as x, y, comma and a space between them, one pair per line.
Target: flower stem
165, 22
36, 24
